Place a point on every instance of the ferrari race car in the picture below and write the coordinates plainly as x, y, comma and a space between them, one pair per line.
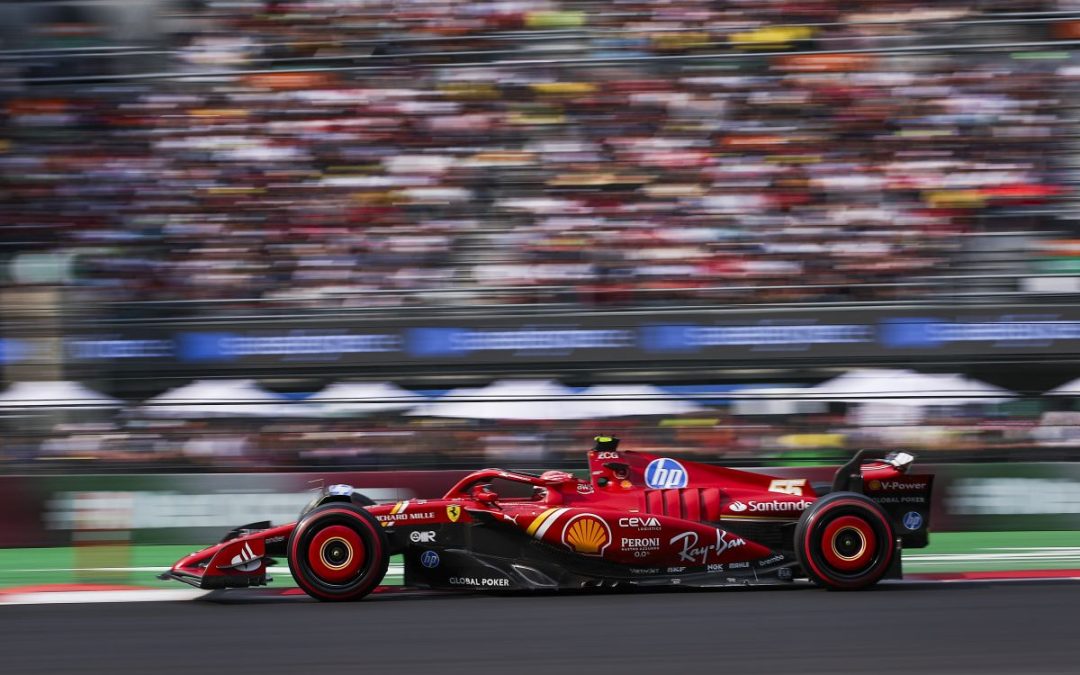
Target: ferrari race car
640, 520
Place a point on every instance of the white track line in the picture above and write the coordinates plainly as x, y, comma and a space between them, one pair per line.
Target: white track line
79, 597
392, 569
982, 557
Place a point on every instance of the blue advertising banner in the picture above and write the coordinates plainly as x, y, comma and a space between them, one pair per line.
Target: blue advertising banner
844, 335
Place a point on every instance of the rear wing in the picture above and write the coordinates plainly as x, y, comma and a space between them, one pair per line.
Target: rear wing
904, 497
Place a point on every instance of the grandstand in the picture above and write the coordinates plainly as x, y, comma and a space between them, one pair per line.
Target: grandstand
313, 170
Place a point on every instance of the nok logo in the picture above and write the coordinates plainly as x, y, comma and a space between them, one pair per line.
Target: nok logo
665, 474
586, 534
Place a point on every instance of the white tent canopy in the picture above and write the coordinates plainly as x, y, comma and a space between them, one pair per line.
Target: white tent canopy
223, 398
1070, 388
345, 398
54, 394
907, 387
623, 400
775, 401
505, 400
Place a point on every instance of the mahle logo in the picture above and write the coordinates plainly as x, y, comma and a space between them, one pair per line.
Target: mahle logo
665, 474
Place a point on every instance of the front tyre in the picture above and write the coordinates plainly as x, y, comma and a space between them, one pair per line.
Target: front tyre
844, 541
338, 552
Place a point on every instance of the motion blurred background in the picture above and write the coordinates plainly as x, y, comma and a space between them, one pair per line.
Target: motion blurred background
247, 244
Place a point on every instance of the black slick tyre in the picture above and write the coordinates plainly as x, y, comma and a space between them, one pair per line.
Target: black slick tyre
338, 552
844, 541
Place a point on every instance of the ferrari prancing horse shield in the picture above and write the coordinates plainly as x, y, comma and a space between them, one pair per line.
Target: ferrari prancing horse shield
453, 512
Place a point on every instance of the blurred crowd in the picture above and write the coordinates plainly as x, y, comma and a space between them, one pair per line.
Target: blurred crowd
616, 163
1021, 431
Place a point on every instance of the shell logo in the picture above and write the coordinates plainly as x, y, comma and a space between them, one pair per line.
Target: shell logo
875, 485
586, 534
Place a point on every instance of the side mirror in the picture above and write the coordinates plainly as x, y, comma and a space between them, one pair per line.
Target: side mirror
484, 494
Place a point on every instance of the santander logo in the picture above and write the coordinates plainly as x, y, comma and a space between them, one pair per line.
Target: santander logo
771, 506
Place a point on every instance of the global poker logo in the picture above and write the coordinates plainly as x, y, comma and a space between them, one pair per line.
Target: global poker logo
665, 474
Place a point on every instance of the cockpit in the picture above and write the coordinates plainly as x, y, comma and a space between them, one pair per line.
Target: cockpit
496, 485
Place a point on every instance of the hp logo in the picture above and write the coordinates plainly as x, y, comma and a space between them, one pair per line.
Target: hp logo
665, 473
429, 559
913, 520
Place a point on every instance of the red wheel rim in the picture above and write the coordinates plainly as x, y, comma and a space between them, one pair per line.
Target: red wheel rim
336, 554
849, 544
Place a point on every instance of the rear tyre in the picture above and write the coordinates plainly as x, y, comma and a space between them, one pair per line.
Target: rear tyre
338, 552
844, 541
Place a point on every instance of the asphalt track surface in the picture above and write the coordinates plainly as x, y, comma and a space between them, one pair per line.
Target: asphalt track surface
1016, 627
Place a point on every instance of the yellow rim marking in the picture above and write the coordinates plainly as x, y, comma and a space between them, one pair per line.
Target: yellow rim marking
862, 544
348, 558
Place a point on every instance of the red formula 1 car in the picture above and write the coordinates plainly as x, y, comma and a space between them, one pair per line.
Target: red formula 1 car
641, 520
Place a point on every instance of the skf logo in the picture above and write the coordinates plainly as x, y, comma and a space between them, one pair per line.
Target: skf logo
788, 486
586, 534
665, 474
453, 512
